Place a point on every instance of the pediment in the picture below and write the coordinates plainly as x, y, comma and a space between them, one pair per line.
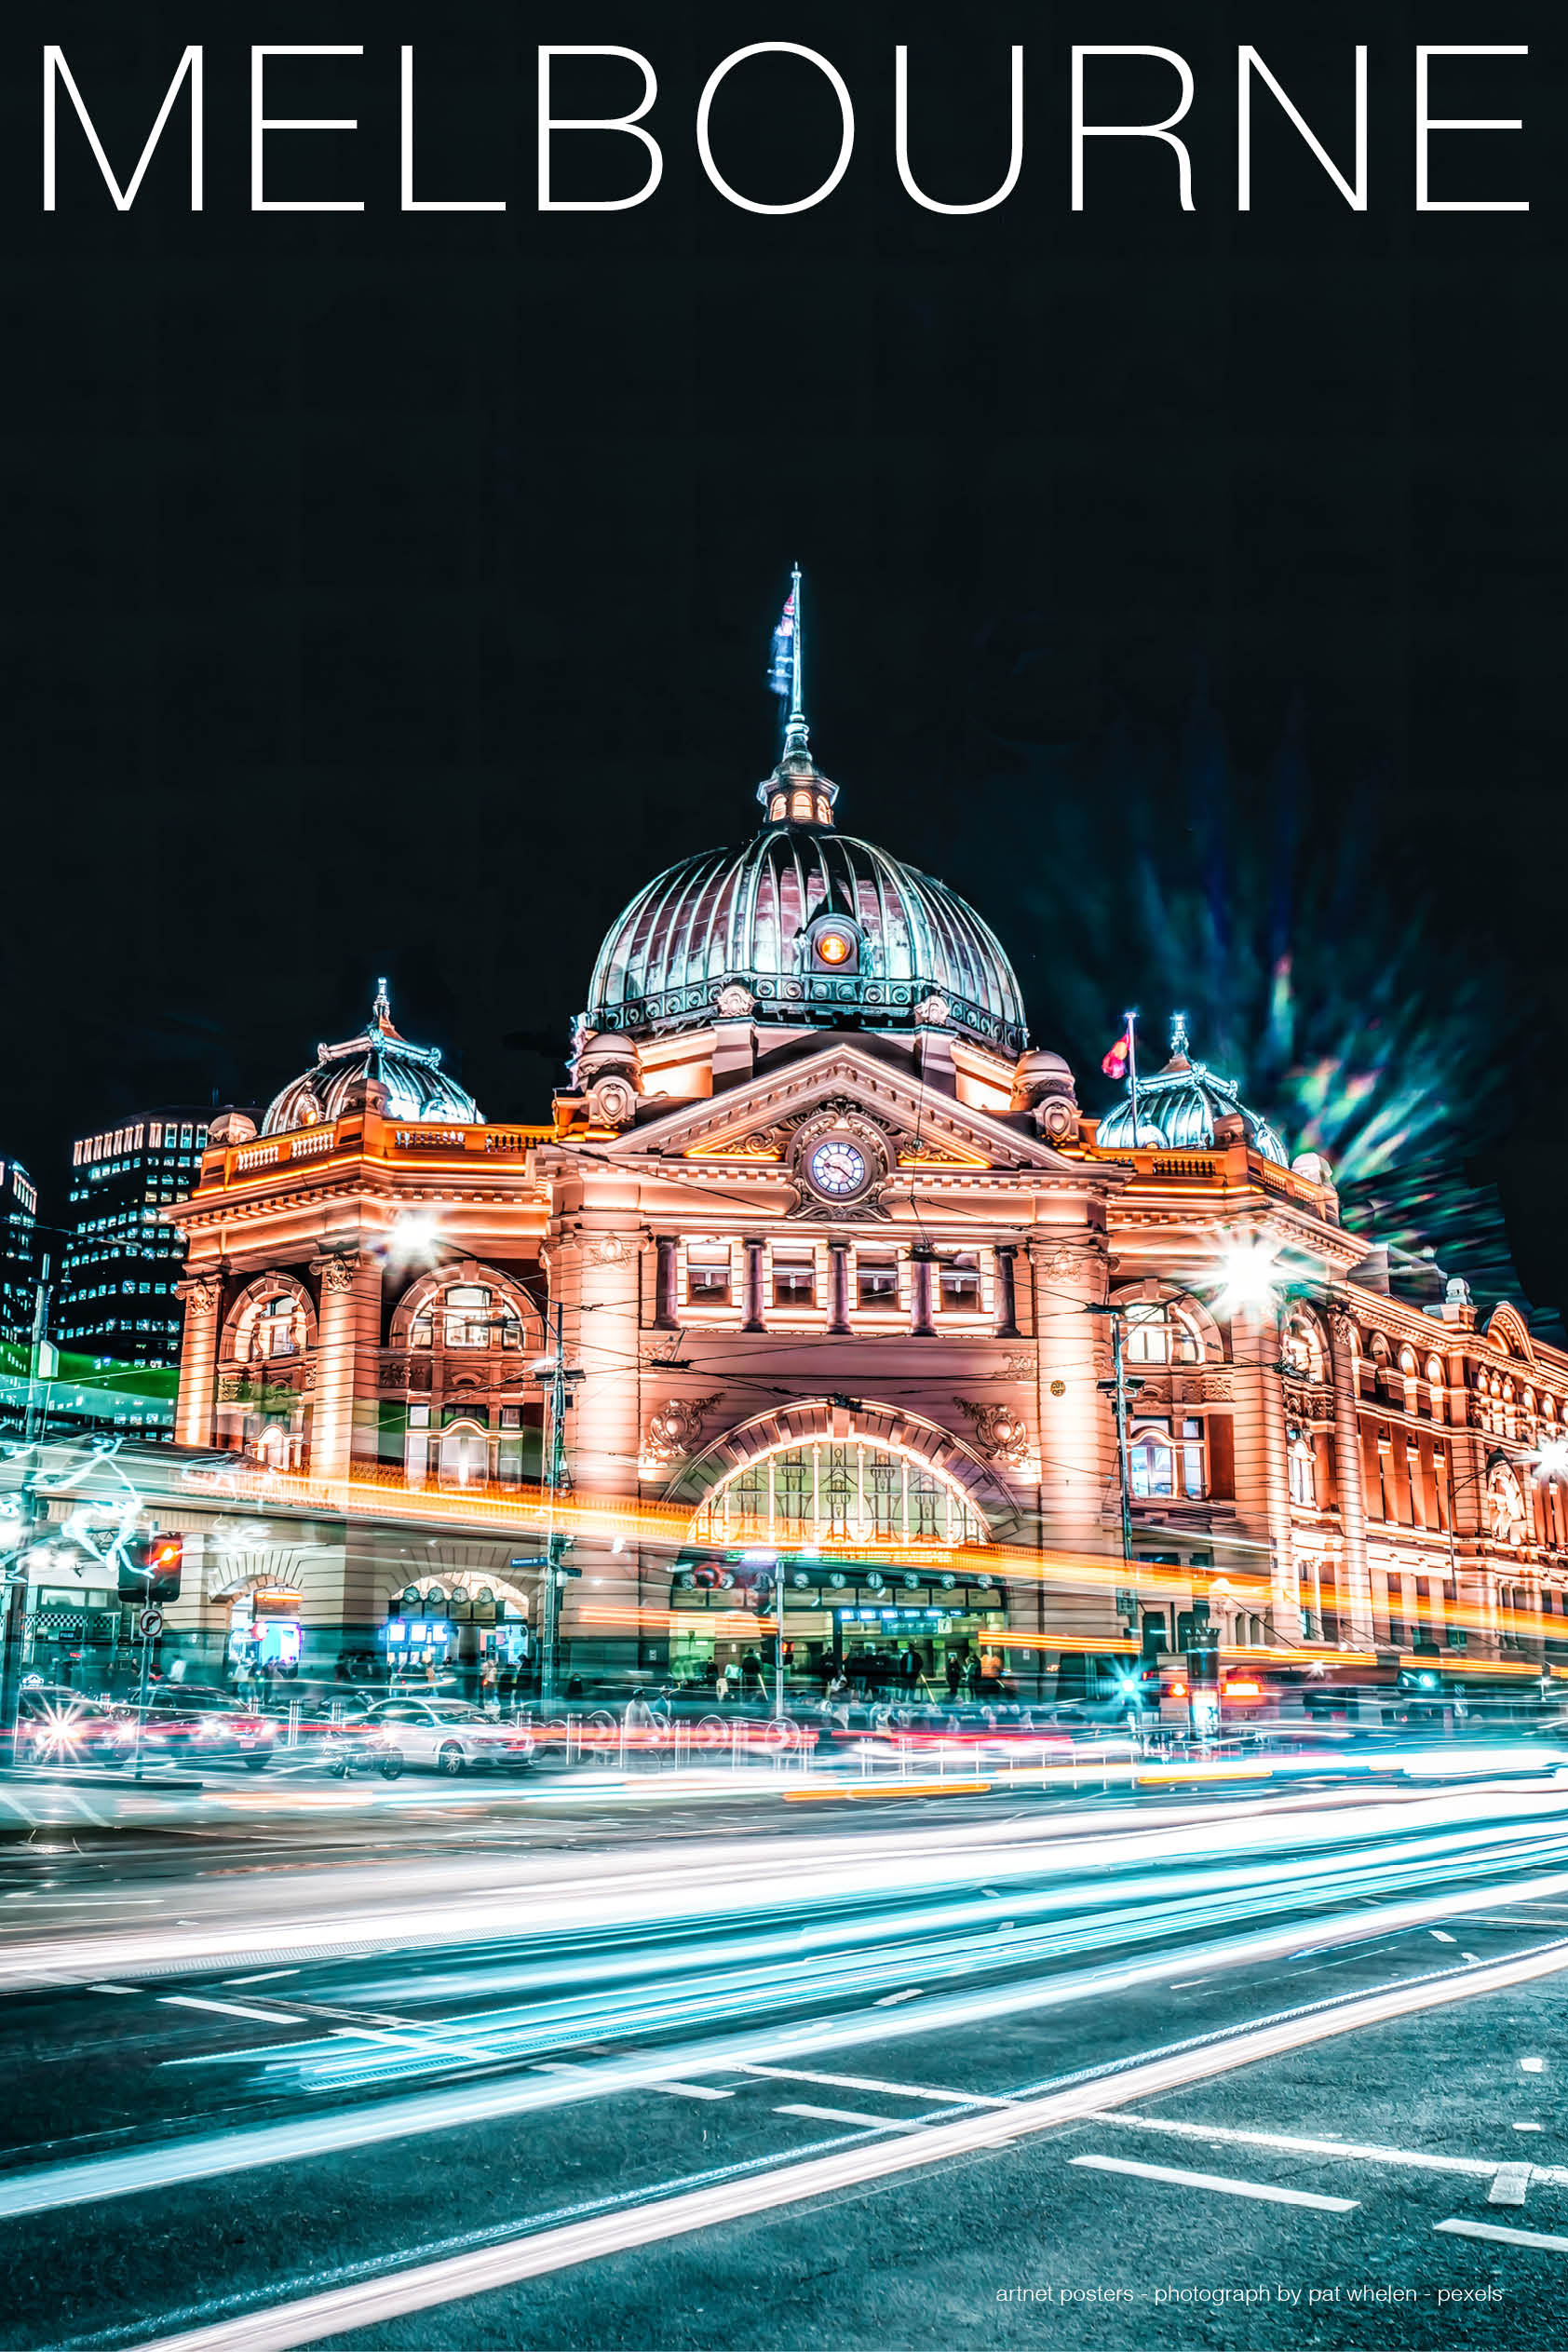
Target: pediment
755, 1124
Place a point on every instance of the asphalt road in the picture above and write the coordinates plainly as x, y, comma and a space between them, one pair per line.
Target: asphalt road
1212, 2071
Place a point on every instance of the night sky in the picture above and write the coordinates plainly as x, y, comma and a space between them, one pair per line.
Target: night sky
393, 595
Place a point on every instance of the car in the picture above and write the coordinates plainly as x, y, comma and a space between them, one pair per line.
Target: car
60, 1727
448, 1735
205, 1726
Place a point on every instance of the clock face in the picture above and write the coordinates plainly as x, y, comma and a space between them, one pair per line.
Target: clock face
836, 1167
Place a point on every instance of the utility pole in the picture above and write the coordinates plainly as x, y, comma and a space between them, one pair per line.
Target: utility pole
555, 1478
1121, 1391
557, 1481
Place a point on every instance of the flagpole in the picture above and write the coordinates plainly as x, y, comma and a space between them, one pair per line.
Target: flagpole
1131, 1020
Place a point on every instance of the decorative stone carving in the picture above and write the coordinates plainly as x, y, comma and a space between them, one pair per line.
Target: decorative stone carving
1056, 1119
674, 1427
1315, 1405
1000, 1433
735, 1002
933, 1011
608, 1248
1023, 1367
612, 1100
1458, 1291
338, 1272
1217, 1388
662, 1351
201, 1293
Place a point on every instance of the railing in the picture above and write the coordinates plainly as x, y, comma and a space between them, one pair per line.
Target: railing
276, 1150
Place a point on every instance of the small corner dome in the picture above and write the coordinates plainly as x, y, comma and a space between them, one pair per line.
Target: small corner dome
1178, 1106
378, 1069
231, 1127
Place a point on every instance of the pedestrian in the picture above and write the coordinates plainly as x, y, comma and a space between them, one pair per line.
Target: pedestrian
490, 1686
721, 1685
954, 1671
971, 1676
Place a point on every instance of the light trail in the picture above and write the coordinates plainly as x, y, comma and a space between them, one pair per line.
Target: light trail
732, 1979
210, 2155
665, 1886
375, 2302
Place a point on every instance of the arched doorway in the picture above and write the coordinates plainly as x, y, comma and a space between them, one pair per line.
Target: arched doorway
865, 1525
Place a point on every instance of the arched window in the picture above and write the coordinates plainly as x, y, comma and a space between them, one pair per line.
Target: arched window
850, 1491
465, 1454
1158, 1333
272, 1446
800, 808
1304, 1473
775, 808
1303, 1347
277, 1328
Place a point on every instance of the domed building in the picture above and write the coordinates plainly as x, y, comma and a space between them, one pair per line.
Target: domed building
865, 1323
1183, 1108
409, 1082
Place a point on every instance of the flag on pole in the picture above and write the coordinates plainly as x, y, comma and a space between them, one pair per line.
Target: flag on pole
1115, 1061
781, 676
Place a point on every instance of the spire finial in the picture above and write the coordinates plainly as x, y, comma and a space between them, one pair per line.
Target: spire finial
797, 735
1178, 1038
381, 1011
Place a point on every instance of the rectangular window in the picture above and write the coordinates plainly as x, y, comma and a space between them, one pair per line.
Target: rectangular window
185, 1137
1152, 1460
795, 1278
707, 1273
1194, 1482
961, 1284
419, 1416
876, 1280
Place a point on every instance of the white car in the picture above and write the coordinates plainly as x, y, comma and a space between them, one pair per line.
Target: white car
448, 1735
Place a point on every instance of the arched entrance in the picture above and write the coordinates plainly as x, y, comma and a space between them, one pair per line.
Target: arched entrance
864, 1522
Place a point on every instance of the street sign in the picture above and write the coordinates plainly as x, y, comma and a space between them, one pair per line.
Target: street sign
149, 1624
540, 1560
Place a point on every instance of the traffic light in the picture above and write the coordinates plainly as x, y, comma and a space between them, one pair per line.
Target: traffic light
150, 1567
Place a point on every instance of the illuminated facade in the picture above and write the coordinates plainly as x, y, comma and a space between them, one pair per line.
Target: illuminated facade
833, 1247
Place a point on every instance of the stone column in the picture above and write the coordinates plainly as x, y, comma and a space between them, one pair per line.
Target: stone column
666, 1294
1078, 1492
346, 1284
1355, 1581
838, 1288
203, 1295
753, 1307
1263, 1479
1007, 1292
921, 1325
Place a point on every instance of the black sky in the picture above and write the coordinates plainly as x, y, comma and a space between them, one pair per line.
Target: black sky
393, 595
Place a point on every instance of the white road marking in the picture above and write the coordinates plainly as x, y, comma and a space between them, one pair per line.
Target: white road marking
209, 2155
1443, 1935
113, 1988
1530, 2127
890, 2000
1510, 2185
1359, 2152
869, 2082
1185, 1983
1532, 2065
1495, 2231
264, 1976
676, 2090
844, 2115
1257, 2189
228, 2008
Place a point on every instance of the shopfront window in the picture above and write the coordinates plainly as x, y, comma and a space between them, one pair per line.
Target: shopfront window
465, 1454
707, 1273
467, 1315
